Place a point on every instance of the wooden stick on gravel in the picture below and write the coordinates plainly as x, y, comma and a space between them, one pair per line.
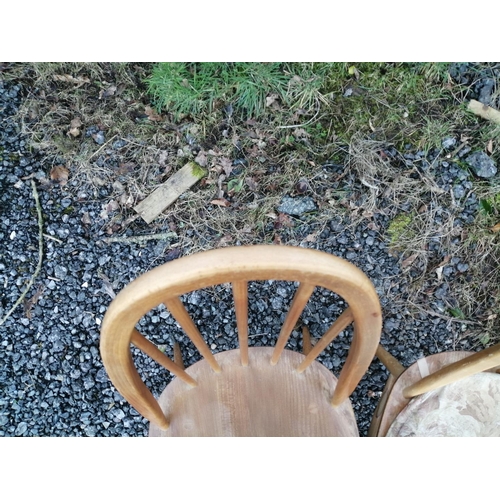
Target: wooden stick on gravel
140, 239
486, 112
40, 254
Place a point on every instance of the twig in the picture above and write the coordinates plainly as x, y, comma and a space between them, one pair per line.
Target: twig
40, 254
442, 316
52, 238
101, 148
302, 124
140, 239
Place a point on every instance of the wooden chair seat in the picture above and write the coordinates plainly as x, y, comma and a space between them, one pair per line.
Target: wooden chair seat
446, 394
250, 391
229, 403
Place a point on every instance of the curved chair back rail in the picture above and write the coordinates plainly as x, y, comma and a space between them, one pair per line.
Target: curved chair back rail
238, 265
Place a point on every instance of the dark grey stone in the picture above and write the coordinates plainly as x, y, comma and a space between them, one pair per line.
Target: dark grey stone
481, 164
297, 206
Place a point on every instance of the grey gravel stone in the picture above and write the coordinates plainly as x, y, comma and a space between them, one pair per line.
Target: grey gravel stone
482, 164
448, 143
297, 206
60, 272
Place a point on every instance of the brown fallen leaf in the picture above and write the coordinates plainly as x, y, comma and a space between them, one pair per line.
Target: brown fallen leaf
445, 261
409, 261
221, 202
110, 91
79, 80
152, 114
125, 168
271, 99
311, 238
60, 174
227, 165
225, 240
283, 220
496, 228
162, 158
252, 184
489, 147
86, 219
28, 304
74, 128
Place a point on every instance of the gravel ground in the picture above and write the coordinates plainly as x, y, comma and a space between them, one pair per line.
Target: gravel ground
51, 377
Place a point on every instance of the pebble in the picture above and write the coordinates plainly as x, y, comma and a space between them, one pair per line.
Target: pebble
297, 206
482, 164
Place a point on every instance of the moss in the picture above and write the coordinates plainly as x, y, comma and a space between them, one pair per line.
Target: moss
197, 170
399, 227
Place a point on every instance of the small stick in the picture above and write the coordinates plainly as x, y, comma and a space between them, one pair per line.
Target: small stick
101, 148
40, 254
140, 239
52, 238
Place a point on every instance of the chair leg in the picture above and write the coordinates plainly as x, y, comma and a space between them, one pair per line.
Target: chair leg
306, 340
389, 361
178, 355
379, 411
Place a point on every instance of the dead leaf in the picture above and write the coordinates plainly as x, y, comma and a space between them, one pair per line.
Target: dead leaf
125, 168
283, 220
300, 133
271, 99
496, 228
162, 158
439, 272
422, 209
445, 261
152, 114
126, 200
227, 165
221, 202
86, 219
28, 304
79, 80
225, 240
110, 91
60, 174
489, 147
201, 159
74, 127
252, 184
108, 208
409, 261
277, 239
311, 238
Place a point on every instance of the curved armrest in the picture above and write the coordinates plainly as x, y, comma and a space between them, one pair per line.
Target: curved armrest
476, 363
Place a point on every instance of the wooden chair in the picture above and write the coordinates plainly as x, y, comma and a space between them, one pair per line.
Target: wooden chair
446, 394
250, 391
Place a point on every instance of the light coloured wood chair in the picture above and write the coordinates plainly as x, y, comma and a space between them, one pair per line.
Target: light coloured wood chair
250, 391
446, 394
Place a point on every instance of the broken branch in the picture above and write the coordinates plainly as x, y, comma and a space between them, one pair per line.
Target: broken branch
40, 254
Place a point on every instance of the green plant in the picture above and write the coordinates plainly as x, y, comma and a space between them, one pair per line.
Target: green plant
190, 88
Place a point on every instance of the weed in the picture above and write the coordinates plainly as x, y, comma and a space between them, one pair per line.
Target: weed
193, 88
